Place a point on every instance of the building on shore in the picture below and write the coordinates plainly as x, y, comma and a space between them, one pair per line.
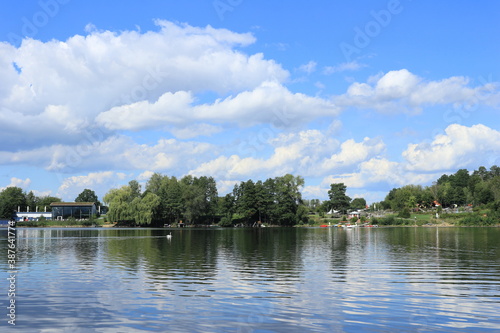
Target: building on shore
31, 216
77, 210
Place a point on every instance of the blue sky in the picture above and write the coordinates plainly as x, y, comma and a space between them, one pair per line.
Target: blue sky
374, 94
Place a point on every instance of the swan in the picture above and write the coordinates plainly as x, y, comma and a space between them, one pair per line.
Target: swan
169, 236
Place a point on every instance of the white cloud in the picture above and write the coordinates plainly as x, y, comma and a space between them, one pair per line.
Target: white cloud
145, 176
115, 153
17, 182
270, 102
169, 108
308, 68
353, 152
195, 130
57, 88
306, 153
401, 91
346, 66
99, 182
459, 147
376, 171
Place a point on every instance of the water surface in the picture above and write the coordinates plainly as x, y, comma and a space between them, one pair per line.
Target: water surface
256, 280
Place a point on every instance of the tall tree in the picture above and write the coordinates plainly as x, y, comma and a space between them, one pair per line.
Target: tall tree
10, 199
145, 207
120, 204
288, 199
32, 201
154, 183
135, 188
358, 203
171, 205
88, 195
338, 199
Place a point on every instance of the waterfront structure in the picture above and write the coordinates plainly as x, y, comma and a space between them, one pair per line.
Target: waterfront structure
31, 216
77, 210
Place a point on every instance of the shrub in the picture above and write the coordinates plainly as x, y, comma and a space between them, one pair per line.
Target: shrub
225, 222
478, 220
389, 220
405, 213
71, 221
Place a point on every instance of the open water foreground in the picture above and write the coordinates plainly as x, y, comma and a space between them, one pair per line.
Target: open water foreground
253, 280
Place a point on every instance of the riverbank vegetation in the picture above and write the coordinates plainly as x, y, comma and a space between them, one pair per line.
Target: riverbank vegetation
460, 199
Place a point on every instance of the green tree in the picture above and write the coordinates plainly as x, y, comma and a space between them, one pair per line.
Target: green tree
171, 205
358, 203
44, 202
227, 206
10, 199
338, 198
120, 204
135, 188
200, 198
246, 201
155, 182
288, 198
145, 207
88, 195
32, 201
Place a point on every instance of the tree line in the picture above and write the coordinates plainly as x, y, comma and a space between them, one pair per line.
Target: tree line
195, 200
276, 201
479, 188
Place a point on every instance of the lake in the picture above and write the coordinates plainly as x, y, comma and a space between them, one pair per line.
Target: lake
254, 280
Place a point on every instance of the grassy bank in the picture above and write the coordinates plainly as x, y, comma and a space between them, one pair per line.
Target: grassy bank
483, 218
62, 224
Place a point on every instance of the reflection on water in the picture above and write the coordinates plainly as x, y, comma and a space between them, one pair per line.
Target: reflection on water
267, 280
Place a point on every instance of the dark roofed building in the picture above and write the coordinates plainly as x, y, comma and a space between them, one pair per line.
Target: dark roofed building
78, 210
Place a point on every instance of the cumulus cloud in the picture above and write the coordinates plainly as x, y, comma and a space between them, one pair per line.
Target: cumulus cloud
353, 152
310, 153
115, 153
459, 147
99, 182
57, 88
403, 91
17, 182
378, 171
270, 102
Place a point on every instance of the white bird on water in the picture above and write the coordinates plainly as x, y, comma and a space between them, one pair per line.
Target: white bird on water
169, 236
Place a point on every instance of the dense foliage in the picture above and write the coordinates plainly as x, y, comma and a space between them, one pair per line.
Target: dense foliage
481, 188
275, 201
12, 198
194, 200
165, 200
88, 195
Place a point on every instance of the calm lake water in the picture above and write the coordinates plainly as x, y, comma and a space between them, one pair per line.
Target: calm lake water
255, 280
